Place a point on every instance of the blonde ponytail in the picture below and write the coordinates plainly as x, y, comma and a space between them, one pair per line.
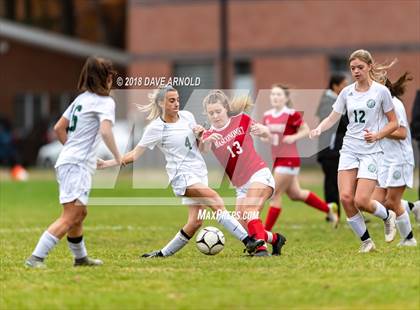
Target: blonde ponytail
241, 104
155, 97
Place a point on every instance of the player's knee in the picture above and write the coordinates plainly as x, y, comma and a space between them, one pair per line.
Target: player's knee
361, 202
346, 199
216, 204
392, 203
195, 224
295, 196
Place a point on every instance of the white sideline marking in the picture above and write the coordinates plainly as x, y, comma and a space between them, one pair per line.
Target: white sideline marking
155, 228
145, 201
87, 228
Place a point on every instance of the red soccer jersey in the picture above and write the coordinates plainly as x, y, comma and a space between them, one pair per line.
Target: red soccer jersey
282, 123
235, 151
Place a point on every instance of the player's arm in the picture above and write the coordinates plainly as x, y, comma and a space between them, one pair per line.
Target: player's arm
302, 132
390, 127
262, 132
206, 142
109, 140
133, 155
399, 134
326, 124
60, 129
128, 158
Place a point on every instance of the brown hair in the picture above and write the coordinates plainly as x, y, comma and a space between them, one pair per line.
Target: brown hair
397, 88
378, 72
286, 90
237, 105
94, 76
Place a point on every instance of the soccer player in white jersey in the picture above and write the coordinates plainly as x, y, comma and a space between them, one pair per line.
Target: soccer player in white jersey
173, 132
90, 115
366, 102
397, 165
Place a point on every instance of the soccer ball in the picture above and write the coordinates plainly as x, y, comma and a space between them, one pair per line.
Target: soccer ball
210, 240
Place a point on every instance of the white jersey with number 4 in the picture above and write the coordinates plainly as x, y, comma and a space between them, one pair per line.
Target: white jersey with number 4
85, 114
398, 152
178, 143
365, 111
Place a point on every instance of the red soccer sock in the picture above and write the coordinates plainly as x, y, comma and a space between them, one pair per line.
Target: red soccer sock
316, 202
256, 229
270, 237
272, 215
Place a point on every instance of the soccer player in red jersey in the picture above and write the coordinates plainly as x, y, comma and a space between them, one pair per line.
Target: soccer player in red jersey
286, 127
230, 140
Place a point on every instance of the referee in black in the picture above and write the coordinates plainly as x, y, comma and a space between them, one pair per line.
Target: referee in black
331, 141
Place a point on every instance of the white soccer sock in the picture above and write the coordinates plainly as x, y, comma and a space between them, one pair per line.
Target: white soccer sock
405, 205
78, 249
269, 236
357, 224
380, 211
403, 224
232, 225
176, 244
45, 244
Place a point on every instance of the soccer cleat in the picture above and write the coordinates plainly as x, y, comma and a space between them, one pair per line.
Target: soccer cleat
333, 214
87, 261
416, 211
253, 244
262, 253
390, 229
407, 242
367, 246
153, 254
277, 246
35, 262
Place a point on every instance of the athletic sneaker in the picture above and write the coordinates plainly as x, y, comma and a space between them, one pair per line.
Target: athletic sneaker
35, 262
407, 242
367, 246
153, 254
416, 211
87, 261
389, 228
333, 214
281, 240
262, 253
253, 244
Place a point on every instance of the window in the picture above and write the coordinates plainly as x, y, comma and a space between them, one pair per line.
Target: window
204, 72
338, 64
243, 78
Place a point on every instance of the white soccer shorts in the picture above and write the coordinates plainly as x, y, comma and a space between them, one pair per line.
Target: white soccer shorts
367, 164
263, 176
181, 182
74, 182
395, 176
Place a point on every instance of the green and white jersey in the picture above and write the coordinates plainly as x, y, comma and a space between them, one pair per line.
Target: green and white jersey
178, 143
85, 114
398, 152
365, 111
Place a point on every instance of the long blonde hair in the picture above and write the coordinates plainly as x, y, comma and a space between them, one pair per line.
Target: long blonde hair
378, 72
238, 104
157, 96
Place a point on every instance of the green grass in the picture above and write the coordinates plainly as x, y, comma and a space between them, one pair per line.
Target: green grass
320, 267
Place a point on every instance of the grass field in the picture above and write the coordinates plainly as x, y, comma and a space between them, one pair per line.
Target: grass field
320, 267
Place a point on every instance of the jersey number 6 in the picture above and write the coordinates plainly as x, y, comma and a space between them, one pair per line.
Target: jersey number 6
74, 118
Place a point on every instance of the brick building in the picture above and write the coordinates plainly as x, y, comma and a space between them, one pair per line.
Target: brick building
294, 42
